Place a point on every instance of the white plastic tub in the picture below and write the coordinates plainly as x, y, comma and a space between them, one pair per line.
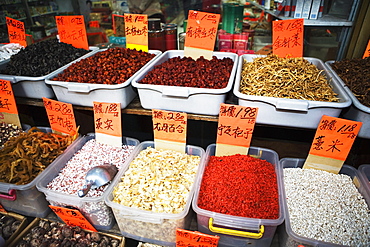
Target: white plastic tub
85, 93
291, 112
185, 99
357, 111
147, 226
34, 87
246, 226
364, 171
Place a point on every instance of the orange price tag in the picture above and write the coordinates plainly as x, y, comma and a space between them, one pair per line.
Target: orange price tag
107, 119
94, 24
16, 31
287, 38
72, 30
2, 209
367, 51
73, 217
235, 128
7, 99
201, 33
169, 129
136, 31
61, 116
186, 238
332, 142
118, 25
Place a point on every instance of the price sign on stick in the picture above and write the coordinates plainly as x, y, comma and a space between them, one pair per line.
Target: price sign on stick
118, 25
332, 142
367, 51
73, 217
186, 238
108, 127
61, 116
16, 31
8, 106
201, 32
169, 130
136, 31
235, 129
287, 38
72, 30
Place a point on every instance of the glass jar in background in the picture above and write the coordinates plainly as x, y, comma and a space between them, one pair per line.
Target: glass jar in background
170, 31
156, 34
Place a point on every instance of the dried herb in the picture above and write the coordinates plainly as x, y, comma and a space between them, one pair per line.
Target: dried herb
355, 73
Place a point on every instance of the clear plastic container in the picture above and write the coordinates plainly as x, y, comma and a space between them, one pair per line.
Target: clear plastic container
93, 208
147, 226
246, 227
289, 238
85, 94
187, 99
291, 112
364, 171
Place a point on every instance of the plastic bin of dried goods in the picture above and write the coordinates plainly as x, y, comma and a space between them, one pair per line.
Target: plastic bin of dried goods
195, 100
357, 111
286, 111
25, 199
150, 225
12, 225
236, 230
34, 86
81, 93
324, 223
92, 206
45, 232
365, 174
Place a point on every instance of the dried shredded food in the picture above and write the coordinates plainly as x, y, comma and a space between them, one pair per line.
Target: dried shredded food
293, 78
355, 73
23, 157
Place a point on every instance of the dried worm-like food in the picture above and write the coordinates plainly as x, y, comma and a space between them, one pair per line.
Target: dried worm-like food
293, 78
25, 156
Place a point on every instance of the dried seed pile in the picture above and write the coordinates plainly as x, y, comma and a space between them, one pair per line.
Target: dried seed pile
112, 66
7, 131
355, 73
8, 226
326, 207
25, 156
187, 72
42, 58
158, 181
292, 78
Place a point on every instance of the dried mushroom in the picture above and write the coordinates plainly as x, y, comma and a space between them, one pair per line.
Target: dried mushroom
8, 226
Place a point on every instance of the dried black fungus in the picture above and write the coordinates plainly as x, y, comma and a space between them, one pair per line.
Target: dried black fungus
355, 73
42, 58
8, 225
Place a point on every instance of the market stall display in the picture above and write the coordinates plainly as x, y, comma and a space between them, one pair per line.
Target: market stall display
240, 203
7, 131
11, 225
61, 184
104, 76
176, 83
8, 50
354, 74
293, 93
152, 196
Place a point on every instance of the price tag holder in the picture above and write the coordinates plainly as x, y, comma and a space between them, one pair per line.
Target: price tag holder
118, 25
332, 142
108, 124
8, 105
201, 33
235, 128
72, 30
367, 51
287, 38
73, 217
16, 31
169, 130
136, 31
186, 238
61, 116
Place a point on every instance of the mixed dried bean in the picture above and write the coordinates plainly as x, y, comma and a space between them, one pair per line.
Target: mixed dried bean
112, 66
293, 78
7, 131
187, 72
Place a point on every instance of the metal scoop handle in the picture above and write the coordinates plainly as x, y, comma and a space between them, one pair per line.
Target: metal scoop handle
85, 189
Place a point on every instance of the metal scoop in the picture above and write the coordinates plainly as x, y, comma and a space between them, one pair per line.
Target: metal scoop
96, 177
